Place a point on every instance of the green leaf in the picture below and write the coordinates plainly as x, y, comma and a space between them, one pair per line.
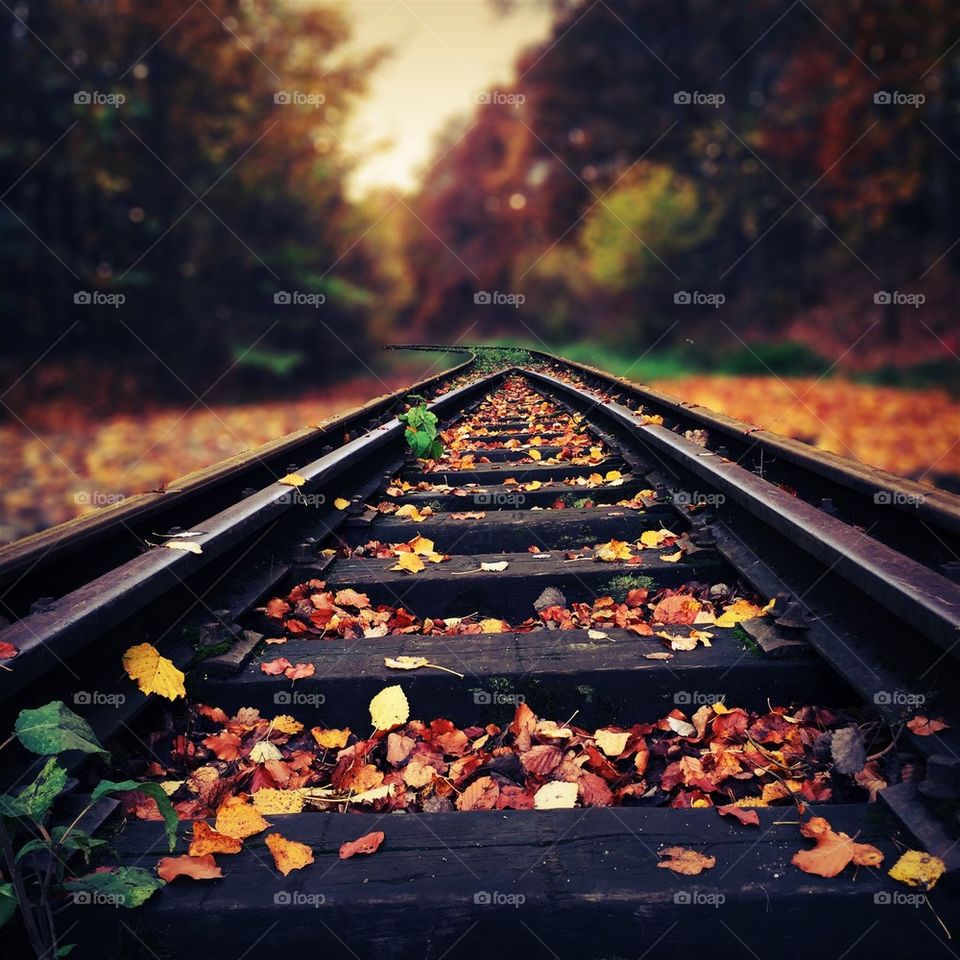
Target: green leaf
54, 728
124, 887
34, 801
170, 818
8, 902
77, 841
64, 950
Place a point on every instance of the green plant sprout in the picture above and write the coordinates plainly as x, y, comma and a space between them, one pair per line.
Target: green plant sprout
40, 882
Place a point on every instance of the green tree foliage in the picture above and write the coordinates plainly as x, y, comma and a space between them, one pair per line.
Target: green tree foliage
217, 182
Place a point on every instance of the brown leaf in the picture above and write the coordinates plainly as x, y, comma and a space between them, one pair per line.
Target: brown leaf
687, 862
747, 817
368, 843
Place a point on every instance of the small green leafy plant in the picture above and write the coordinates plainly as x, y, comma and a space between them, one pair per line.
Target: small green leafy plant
421, 432
36, 852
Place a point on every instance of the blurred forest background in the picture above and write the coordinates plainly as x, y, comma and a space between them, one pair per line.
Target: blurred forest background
190, 267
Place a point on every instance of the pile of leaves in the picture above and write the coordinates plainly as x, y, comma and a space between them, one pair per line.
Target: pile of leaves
311, 609
719, 756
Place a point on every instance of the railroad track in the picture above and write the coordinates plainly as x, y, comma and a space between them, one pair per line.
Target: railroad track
587, 571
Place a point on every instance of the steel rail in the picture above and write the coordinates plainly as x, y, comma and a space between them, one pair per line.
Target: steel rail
74, 620
912, 499
911, 591
37, 550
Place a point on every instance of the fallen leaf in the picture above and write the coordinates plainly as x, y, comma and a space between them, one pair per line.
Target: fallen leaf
409, 562
918, 869
738, 611
687, 862
196, 868
747, 817
188, 546
494, 567
341, 504
612, 742
300, 671
331, 739
555, 796
925, 727
659, 655
612, 551
389, 708
415, 663
264, 751
288, 854
7, 650
286, 724
206, 840
833, 851
153, 673
238, 819
368, 843
293, 480
273, 668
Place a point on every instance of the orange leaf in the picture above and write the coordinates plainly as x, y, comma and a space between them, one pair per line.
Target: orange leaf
288, 854
368, 843
238, 819
206, 840
833, 851
196, 868
925, 727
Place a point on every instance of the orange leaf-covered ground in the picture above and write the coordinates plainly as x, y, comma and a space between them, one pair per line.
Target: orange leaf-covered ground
914, 433
61, 461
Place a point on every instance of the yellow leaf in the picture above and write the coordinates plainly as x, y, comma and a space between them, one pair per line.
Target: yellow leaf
536, 455
286, 724
237, 819
331, 739
422, 545
671, 557
270, 801
737, 611
265, 751
288, 854
490, 625
389, 708
341, 504
410, 512
918, 869
405, 663
653, 538
611, 742
494, 567
188, 546
409, 562
613, 551
556, 795
153, 673
293, 480
532, 485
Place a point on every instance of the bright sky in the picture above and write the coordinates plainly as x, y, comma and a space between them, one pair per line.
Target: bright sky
445, 52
